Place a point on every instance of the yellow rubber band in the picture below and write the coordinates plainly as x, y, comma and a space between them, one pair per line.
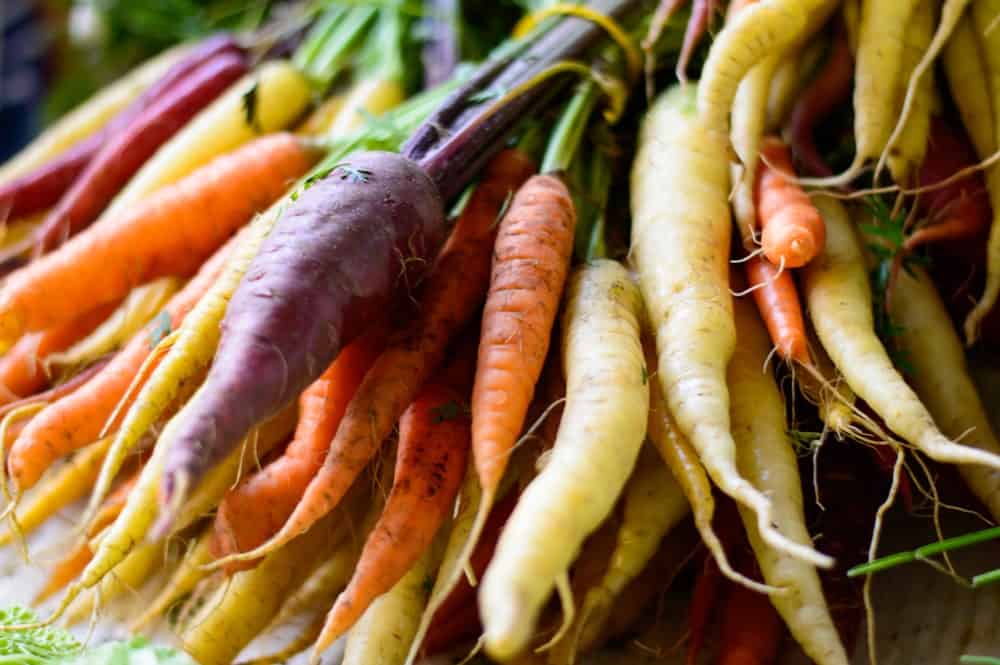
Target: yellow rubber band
633, 55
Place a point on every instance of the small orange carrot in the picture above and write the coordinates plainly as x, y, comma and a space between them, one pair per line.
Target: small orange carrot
22, 368
779, 306
77, 419
450, 296
70, 567
431, 460
56, 393
257, 508
170, 233
530, 265
792, 231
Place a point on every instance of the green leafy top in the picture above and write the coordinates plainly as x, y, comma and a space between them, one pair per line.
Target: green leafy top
34, 646
135, 650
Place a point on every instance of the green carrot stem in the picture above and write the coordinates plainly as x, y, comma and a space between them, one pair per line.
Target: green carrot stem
983, 579
927, 551
568, 132
978, 660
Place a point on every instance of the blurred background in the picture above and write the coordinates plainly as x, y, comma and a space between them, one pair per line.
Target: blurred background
56, 53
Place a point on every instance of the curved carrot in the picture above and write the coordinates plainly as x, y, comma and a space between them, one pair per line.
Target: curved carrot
779, 306
125, 152
77, 419
22, 368
827, 91
431, 460
257, 508
792, 231
170, 233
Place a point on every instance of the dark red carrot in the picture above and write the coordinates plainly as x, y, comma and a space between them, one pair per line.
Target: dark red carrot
829, 90
703, 601
42, 188
336, 257
125, 152
752, 631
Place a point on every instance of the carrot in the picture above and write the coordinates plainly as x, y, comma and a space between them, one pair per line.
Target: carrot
44, 186
958, 210
65, 486
77, 419
164, 235
798, 67
791, 228
432, 453
56, 393
280, 93
90, 117
71, 565
142, 304
189, 573
820, 98
320, 119
702, 12
314, 240
22, 368
704, 599
778, 302
751, 632
450, 295
680, 246
124, 152
965, 69
256, 509
839, 302
607, 399
907, 144
653, 504
756, 32
941, 378
766, 457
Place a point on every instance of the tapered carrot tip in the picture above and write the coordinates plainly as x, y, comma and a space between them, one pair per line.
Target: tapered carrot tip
507, 633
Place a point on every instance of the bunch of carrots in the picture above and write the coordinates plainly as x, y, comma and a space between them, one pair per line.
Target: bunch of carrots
377, 347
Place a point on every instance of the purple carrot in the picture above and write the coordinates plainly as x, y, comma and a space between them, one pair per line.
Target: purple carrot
830, 88
326, 271
42, 188
127, 151
346, 247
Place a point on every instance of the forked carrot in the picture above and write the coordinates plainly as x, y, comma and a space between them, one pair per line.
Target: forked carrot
431, 460
22, 368
257, 508
170, 233
792, 231
77, 419
778, 302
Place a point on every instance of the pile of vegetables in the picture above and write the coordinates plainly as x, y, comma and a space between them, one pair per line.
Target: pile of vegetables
428, 355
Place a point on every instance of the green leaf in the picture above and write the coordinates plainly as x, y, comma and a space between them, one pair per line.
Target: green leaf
161, 328
37, 645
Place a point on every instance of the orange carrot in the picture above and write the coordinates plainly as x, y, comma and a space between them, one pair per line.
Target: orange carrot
255, 510
792, 231
779, 306
431, 461
530, 264
22, 368
450, 296
77, 419
170, 233
56, 393
70, 567
752, 631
